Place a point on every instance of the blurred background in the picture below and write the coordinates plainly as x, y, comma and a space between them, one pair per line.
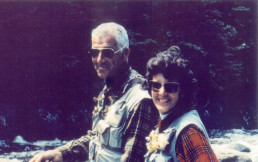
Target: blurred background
47, 81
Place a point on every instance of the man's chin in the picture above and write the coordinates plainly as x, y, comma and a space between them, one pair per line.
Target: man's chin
102, 75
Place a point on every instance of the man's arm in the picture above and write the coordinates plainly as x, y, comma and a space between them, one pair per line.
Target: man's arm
51, 155
75, 150
141, 120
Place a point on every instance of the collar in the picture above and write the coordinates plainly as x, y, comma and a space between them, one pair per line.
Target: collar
163, 116
172, 116
123, 79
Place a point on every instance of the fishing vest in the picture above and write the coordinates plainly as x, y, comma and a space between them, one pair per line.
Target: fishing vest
106, 141
172, 133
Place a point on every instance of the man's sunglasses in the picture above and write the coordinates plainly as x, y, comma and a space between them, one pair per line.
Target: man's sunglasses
170, 87
106, 52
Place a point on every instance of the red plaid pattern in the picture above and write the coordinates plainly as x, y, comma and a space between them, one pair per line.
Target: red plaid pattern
193, 146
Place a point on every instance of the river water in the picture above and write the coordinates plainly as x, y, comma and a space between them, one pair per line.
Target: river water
20, 149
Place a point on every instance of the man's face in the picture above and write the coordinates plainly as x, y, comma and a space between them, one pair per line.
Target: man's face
104, 66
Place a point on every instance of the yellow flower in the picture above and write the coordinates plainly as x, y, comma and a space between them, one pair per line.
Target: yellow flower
156, 141
163, 141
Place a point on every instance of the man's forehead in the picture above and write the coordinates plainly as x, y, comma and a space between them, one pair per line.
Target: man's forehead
106, 40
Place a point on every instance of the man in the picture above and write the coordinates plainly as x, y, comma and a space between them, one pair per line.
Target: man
119, 124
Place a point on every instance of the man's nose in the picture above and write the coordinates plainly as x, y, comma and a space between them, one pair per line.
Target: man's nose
100, 57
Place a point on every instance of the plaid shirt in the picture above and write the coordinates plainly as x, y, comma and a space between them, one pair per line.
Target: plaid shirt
138, 124
142, 122
193, 146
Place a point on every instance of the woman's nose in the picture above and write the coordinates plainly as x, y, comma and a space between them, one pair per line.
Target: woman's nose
162, 90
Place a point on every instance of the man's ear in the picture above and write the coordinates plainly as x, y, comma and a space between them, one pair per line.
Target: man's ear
126, 53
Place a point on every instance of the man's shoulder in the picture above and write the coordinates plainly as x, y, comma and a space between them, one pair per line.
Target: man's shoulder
135, 77
136, 91
148, 102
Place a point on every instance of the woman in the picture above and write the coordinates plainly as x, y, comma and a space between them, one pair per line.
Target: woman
180, 134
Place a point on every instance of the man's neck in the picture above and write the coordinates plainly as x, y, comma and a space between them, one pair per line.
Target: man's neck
118, 78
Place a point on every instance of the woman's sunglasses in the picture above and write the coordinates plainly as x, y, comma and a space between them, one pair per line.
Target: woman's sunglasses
170, 87
106, 52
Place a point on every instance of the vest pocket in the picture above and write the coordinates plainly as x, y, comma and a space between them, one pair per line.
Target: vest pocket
103, 130
117, 114
109, 136
115, 140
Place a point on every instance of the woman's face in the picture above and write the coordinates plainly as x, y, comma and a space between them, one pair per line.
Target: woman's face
164, 101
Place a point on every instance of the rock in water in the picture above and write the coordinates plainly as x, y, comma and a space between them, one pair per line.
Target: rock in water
233, 152
20, 140
239, 147
237, 159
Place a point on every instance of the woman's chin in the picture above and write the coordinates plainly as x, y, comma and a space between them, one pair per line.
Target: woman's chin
163, 110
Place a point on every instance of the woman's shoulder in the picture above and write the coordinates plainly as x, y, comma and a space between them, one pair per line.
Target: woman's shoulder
192, 130
192, 136
192, 145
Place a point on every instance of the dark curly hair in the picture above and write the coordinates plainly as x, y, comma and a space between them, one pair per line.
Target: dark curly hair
172, 65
